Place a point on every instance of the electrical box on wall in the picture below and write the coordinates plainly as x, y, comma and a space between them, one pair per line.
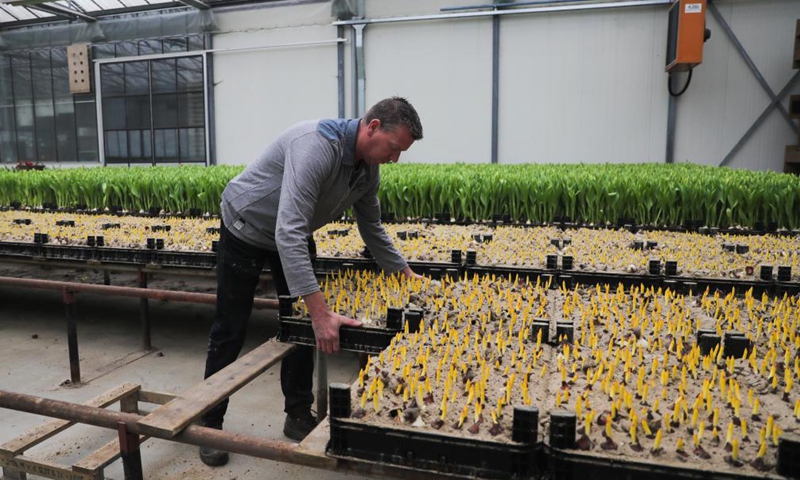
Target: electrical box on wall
686, 34
79, 68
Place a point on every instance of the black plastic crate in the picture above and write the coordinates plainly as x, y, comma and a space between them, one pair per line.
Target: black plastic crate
123, 255
458, 456
61, 252
353, 339
18, 249
325, 265
186, 259
531, 274
431, 268
578, 465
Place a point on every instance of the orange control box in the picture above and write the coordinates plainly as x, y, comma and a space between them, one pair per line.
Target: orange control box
686, 34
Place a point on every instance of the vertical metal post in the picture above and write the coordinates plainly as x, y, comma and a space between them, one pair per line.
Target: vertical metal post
340, 70
322, 384
98, 99
495, 84
359, 79
671, 118
106, 277
72, 336
130, 453
144, 313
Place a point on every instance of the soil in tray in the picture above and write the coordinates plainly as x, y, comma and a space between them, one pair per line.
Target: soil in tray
184, 234
611, 251
635, 361
464, 370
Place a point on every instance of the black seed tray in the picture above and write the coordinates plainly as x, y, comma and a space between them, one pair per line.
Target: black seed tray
353, 339
18, 249
457, 456
627, 279
325, 265
511, 272
123, 255
186, 259
433, 268
61, 252
577, 465
726, 285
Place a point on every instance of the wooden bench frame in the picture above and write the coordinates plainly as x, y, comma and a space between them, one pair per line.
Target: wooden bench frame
17, 465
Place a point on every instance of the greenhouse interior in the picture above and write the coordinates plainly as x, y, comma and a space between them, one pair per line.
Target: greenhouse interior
372, 212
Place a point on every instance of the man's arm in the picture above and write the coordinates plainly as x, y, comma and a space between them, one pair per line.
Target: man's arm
368, 217
309, 160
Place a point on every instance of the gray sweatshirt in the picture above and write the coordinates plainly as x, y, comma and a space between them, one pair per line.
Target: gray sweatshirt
305, 179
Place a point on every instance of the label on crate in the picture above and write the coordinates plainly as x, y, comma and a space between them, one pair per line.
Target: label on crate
694, 8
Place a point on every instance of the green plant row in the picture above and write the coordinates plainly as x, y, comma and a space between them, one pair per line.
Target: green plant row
654, 194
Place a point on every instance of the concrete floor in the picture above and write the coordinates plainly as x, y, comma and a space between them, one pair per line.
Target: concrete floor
34, 360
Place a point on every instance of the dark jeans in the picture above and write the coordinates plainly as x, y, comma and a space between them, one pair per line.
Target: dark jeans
239, 265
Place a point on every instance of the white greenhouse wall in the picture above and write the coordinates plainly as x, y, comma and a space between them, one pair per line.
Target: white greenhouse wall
724, 98
583, 87
444, 69
260, 93
574, 87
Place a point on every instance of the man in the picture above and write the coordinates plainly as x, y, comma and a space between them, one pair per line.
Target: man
305, 179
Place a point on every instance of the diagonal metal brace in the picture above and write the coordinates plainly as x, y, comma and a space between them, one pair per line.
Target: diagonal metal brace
727, 29
760, 119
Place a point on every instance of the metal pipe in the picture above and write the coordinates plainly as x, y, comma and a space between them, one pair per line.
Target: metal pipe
194, 53
322, 384
495, 85
144, 314
360, 80
192, 435
672, 108
520, 11
72, 335
340, 70
170, 295
503, 5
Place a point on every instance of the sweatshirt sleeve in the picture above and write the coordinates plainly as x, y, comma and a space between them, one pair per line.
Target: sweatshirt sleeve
368, 217
309, 160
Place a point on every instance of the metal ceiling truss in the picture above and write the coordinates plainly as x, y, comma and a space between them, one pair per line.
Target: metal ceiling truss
63, 12
198, 4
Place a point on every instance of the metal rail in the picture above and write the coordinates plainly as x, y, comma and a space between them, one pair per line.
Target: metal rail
171, 295
192, 435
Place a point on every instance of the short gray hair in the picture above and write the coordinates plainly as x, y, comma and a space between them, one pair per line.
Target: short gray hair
396, 111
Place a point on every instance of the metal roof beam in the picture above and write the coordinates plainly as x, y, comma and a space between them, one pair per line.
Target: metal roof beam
63, 12
198, 4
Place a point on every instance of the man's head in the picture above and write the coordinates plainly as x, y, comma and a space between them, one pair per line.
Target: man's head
388, 129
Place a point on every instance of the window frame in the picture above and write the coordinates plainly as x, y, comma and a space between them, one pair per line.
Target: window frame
99, 102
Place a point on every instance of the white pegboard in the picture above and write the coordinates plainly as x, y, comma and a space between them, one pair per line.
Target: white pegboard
79, 68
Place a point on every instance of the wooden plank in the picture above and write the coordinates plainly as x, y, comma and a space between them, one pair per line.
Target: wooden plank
101, 458
316, 442
41, 433
42, 468
168, 420
157, 398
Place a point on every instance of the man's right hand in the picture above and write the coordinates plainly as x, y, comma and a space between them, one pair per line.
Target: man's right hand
326, 323
326, 330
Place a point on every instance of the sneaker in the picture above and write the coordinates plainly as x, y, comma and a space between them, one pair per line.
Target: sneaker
298, 426
211, 456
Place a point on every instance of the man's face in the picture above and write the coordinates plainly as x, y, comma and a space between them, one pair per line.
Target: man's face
385, 146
